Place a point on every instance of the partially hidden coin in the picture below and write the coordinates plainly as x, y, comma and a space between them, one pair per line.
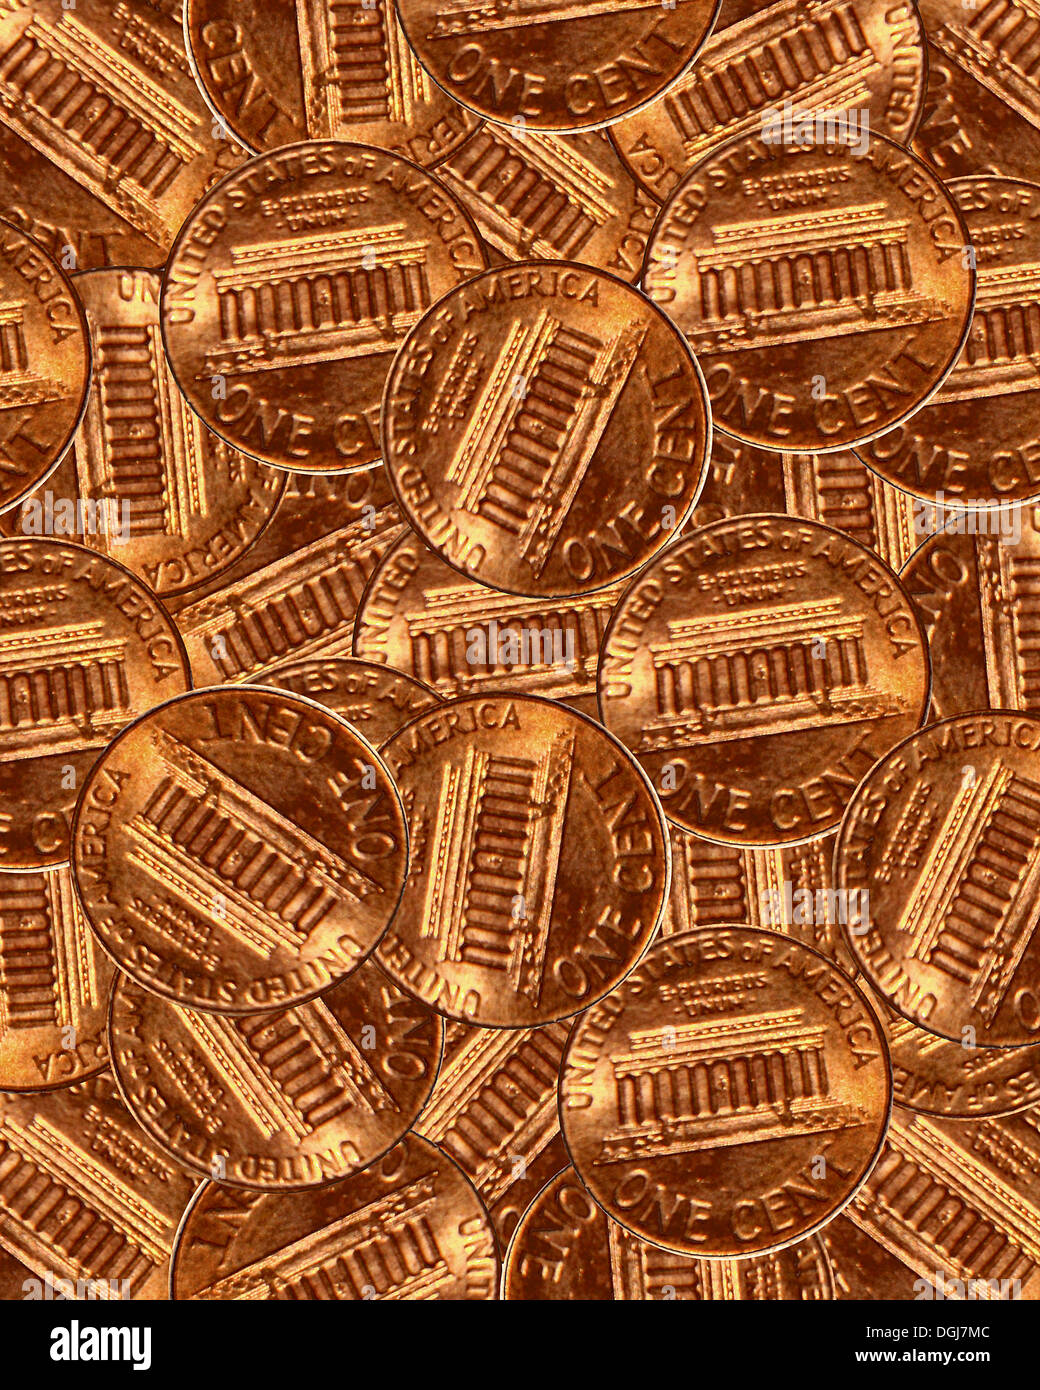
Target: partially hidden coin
545, 429
410, 1226
539, 861
730, 1096
758, 669
375, 699
239, 849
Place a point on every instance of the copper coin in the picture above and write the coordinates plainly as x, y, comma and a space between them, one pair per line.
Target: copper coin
507, 1212
85, 1195
298, 1098
935, 1076
967, 126
730, 1097
105, 141
44, 363
826, 291
865, 57
375, 699
545, 429
566, 1247
239, 849
290, 70
408, 1227
54, 984
539, 861
299, 606
493, 1108
84, 649
974, 586
462, 638
145, 480
556, 64
290, 287
756, 727
958, 1202
836, 488
864, 1268
565, 197
975, 441
943, 835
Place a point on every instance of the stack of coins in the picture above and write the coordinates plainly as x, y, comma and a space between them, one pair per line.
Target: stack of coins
519, 649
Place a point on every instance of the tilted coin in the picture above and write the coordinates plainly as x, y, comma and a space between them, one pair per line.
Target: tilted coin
935, 1076
975, 441
758, 669
290, 70
54, 985
145, 481
559, 65
836, 488
290, 287
408, 1227
297, 1098
958, 1201
943, 835
375, 699
507, 1212
85, 1195
539, 861
967, 126
545, 429
565, 197
975, 586
827, 291
864, 1268
566, 1247
105, 141
864, 56
84, 649
44, 363
730, 1096
239, 849
420, 616
300, 605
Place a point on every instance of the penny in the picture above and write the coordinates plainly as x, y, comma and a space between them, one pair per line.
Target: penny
827, 291
239, 849
408, 1227
44, 363
84, 649
758, 669
299, 606
522, 402
566, 1247
866, 1269
493, 1109
85, 1196
562, 65
866, 57
462, 638
297, 1098
943, 835
958, 1202
54, 984
375, 699
967, 126
559, 197
153, 486
837, 489
789, 889
297, 70
290, 287
731, 1095
530, 1178
975, 590
935, 1076
539, 861
105, 141
974, 442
